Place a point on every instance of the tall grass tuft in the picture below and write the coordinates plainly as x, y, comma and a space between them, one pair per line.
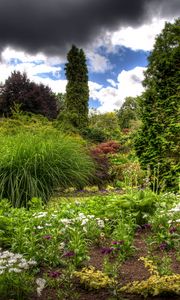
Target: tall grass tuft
33, 165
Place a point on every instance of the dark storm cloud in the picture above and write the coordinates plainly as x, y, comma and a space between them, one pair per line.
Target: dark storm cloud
51, 26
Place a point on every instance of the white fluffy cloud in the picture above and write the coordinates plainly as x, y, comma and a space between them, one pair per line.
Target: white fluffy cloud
97, 62
112, 82
135, 38
33, 65
140, 38
129, 83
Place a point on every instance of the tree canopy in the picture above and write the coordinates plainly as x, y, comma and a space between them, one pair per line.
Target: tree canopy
32, 97
128, 112
107, 123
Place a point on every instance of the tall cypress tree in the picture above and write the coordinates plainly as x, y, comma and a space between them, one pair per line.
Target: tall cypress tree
157, 143
77, 90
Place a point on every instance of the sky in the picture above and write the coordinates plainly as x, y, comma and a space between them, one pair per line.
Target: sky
116, 35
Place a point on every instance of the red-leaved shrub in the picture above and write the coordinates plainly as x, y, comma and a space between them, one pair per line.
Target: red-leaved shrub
102, 165
99, 155
109, 147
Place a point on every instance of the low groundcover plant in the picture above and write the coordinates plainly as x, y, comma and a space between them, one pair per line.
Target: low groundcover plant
92, 278
155, 284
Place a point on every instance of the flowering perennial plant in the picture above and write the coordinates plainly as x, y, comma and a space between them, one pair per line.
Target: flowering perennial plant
40, 285
11, 262
16, 280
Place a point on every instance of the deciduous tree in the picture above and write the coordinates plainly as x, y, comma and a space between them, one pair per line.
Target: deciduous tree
128, 112
34, 98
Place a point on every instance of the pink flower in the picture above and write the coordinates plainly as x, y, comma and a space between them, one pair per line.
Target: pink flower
47, 237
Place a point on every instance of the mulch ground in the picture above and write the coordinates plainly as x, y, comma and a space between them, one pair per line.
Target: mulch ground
132, 269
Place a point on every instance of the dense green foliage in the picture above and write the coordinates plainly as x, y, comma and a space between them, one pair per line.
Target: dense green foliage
157, 143
33, 163
106, 123
77, 91
93, 134
128, 112
34, 98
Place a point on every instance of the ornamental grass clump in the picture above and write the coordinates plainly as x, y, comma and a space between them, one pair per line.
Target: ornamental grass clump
93, 279
34, 165
155, 284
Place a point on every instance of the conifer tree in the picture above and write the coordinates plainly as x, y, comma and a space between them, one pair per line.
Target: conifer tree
157, 143
77, 90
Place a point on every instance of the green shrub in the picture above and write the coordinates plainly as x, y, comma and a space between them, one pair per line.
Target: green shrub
95, 135
23, 122
33, 165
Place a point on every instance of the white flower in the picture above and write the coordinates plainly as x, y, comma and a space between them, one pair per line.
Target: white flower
12, 261
90, 216
32, 262
66, 221
18, 256
2, 261
1, 272
41, 284
6, 254
100, 223
84, 221
15, 270
81, 214
61, 246
176, 208
40, 281
53, 216
39, 227
23, 265
40, 215
39, 290
102, 235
